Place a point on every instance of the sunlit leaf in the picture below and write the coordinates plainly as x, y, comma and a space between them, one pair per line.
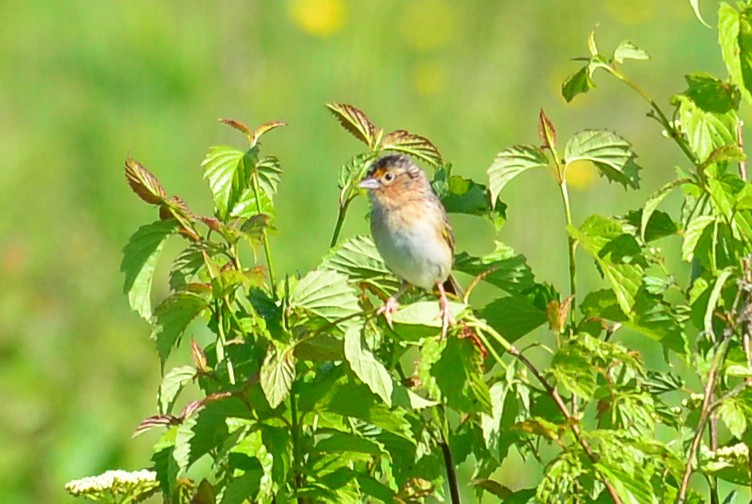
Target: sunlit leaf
144, 183
357, 258
502, 267
220, 166
573, 370
277, 375
729, 38
513, 316
366, 367
172, 383
463, 195
609, 152
655, 200
325, 293
627, 50
264, 129
139, 260
355, 121
579, 82
733, 415
509, 163
692, 235
414, 145
171, 318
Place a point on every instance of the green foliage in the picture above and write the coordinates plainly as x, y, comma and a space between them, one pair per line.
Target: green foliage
307, 394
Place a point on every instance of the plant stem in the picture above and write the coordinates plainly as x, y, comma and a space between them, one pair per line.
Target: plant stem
340, 220
454, 490
705, 411
295, 435
572, 246
661, 117
264, 235
571, 420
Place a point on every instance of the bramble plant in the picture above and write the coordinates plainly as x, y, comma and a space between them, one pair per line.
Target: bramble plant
306, 395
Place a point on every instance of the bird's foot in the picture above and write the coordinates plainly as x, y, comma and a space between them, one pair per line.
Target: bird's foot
390, 307
446, 315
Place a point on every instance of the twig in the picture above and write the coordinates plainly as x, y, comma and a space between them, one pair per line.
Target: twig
704, 415
740, 143
571, 421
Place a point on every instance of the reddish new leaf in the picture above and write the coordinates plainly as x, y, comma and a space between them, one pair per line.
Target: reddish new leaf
355, 121
144, 183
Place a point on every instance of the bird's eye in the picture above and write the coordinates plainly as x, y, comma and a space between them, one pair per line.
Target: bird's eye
388, 177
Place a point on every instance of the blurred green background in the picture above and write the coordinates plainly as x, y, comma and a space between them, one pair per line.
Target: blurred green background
85, 84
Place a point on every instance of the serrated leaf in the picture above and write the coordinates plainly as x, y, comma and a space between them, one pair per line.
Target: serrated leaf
277, 375
502, 267
732, 414
513, 316
269, 174
463, 195
144, 183
632, 488
705, 130
172, 383
573, 370
610, 153
325, 293
655, 200
627, 50
220, 166
729, 40
579, 82
357, 258
171, 318
617, 255
185, 266
139, 260
459, 376
509, 163
692, 235
366, 367
414, 145
355, 121
264, 129
246, 205
339, 442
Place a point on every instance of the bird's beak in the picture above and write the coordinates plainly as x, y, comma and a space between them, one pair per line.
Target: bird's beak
369, 183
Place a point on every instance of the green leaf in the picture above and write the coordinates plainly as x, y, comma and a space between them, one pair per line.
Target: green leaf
627, 50
355, 121
139, 260
277, 375
240, 488
692, 234
706, 129
633, 488
463, 195
610, 153
425, 313
164, 461
729, 38
269, 171
359, 259
366, 366
513, 316
186, 266
658, 226
655, 200
509, 163
732, 414
172, 383
338, 442
246, 206
221, 166
414, 145
617, 255
171, 318
573, 370
579, 82
502, 268
325, 293
459, 376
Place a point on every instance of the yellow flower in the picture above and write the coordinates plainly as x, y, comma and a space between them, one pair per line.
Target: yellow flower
321, 18
428, 24
428, 78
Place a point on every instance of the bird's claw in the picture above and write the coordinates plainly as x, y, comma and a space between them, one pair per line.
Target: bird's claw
388, 309
446, 316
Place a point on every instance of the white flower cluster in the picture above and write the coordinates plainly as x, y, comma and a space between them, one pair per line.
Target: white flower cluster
728, 456
116, 482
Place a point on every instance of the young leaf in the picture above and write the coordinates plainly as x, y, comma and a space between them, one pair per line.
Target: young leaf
579, 82
139, 260
509, 163
171, 318
355, 121
220, 166
609, 152
264, 129
655, 200
414, 145
326, 294
617, 255
366, 366
172, 383
144, 183
186, 266
627, 50
546, 131
277, 375
732, 414
240, 126
573, 370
